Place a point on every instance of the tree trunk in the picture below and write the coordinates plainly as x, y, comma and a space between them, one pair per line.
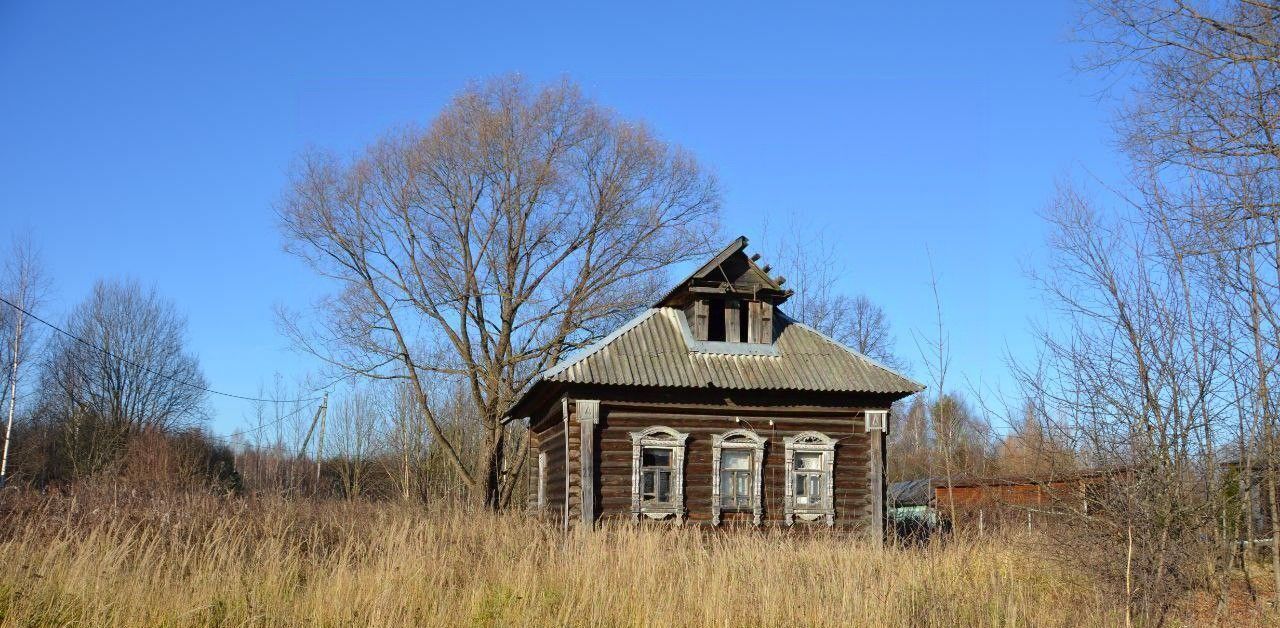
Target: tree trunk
488, 493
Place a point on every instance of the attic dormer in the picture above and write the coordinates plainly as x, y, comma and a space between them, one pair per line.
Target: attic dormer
730, 298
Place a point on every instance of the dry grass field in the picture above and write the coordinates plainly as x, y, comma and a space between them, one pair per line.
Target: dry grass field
112, 559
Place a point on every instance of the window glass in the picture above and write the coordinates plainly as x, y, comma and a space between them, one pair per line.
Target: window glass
808, 478
735, 478
651, 457
655, 475
808, 487
735, 459
808, 461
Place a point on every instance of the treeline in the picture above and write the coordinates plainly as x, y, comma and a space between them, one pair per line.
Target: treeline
112, 391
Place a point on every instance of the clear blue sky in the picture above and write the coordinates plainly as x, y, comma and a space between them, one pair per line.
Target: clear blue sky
152, 140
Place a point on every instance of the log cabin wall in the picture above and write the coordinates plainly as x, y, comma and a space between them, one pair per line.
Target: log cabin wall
624, 412
548, 439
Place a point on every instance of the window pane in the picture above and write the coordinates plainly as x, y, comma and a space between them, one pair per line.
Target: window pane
801, 485
815, 487
646, 484
651, 457
809, 460
735, 459
664, 486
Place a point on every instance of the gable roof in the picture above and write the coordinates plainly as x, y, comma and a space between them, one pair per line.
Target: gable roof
657, 349
743, 266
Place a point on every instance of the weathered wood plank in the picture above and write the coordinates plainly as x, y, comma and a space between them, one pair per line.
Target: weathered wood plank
588, 415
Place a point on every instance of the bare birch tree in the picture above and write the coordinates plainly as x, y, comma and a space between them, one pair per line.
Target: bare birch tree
521, 223
23, 285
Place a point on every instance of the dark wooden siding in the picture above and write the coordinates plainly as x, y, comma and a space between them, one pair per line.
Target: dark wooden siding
852, 496
548, 438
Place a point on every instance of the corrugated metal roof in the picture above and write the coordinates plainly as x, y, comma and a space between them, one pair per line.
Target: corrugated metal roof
918, 492
657, 349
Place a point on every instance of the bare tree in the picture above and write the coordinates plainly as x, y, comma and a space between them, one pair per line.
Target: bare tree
272, 457
812, 264
1124, 366
1033, 449
519, 224
23, 287
935, 351
407, 440
1200, 125
127, 369
356, 421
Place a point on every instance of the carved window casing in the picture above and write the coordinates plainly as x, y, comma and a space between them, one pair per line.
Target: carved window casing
737, 460
810, 487
657, 473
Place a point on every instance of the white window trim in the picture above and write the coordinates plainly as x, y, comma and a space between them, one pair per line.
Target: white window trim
810, 442
742, 440
659, 436
881, 415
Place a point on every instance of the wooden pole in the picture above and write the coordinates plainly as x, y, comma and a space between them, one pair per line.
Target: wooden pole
324, 410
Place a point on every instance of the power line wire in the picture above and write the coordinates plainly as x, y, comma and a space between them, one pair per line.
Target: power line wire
149, 370
274, 423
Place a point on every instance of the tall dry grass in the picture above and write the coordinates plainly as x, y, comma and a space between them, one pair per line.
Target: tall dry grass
114, 559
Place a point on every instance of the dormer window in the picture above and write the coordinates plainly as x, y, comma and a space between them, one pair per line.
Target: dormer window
727, 319
730, 299
715, 321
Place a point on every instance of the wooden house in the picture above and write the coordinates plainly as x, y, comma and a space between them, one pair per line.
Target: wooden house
714, 407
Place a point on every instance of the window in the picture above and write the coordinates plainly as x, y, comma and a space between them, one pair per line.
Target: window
655, 476
876, 420
735, 479
657, 473
737, 457
810, 478
715, 320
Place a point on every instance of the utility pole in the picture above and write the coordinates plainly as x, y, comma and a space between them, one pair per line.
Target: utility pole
324, 411
13, 397
318, 418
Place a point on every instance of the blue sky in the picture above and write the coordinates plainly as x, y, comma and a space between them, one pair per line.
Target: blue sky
151, 141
